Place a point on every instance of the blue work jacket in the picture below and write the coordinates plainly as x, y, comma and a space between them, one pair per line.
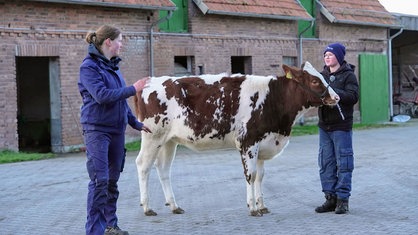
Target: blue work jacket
104, 95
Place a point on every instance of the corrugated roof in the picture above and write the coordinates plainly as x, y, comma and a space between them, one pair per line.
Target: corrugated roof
364, 12
409, 22
139, 4
283, 9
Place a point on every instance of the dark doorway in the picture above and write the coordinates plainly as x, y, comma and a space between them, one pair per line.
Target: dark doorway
241, 64
183, 65
34, 111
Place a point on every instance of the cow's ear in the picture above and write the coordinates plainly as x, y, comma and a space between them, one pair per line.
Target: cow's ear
288, 72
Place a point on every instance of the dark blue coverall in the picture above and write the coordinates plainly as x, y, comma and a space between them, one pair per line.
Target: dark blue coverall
104, 116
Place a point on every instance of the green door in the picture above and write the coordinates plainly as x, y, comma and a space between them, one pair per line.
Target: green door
374, 88
178, 23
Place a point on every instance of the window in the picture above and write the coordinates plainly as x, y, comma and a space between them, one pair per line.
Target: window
289, 60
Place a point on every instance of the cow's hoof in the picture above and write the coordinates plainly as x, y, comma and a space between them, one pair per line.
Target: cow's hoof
150, 213
264, 210
178, 211
256, 213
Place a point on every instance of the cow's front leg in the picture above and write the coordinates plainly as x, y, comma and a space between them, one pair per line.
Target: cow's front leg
251, 202
144, 162
258, 188
249, 162
163, 165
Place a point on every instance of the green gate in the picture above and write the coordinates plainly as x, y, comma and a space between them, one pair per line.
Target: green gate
374, 88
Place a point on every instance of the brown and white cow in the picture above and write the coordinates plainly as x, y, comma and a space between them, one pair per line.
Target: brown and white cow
253, 114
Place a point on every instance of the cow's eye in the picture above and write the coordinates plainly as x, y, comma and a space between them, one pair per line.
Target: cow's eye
315, 82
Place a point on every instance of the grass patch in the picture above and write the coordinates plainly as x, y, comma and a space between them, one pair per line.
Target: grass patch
10, 156
297, 130
133, 146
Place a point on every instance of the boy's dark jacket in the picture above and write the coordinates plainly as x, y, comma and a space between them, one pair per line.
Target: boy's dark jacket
346, 86
104, 94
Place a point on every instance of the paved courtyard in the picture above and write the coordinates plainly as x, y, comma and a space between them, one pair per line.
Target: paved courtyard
49, 196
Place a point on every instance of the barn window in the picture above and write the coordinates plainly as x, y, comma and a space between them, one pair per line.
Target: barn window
178, 23
289, 60
241, 64
309, 6
183, 65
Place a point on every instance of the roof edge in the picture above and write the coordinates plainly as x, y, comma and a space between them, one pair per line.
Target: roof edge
325, 12
108, 4
205, 10
277, 17
367, 24
202, 6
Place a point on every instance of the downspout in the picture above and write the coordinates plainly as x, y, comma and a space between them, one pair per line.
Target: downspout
151, 41
300, 42
302, 119
390, 71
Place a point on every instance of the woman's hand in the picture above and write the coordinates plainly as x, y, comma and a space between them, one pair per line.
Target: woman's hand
141, 84
146, 129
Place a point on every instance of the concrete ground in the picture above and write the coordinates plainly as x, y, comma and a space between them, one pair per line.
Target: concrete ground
49, 196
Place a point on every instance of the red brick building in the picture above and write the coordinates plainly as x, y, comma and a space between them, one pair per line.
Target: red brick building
42, 45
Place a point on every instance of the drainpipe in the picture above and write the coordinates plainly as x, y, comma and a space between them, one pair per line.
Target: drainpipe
300, 42
302, 118
390, 71
151, 41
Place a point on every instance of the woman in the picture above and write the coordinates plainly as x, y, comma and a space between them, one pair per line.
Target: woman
336, 161
104, 116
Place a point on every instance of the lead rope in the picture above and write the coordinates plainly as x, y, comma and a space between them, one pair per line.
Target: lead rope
341, 112
338, 105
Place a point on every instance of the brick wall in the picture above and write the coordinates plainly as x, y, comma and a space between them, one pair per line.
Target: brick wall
58, 31
8, 101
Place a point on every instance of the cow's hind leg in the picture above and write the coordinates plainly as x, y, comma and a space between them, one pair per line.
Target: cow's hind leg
258, 188
144, 162
249, 161
163, 165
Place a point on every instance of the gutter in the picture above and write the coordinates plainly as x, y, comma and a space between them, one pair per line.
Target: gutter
109, 4
302, 118
151, 41
390, 71
365, 23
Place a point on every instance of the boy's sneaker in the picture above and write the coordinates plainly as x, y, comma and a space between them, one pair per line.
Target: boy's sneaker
115, 231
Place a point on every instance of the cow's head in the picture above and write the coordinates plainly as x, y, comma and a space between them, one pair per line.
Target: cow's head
312, 81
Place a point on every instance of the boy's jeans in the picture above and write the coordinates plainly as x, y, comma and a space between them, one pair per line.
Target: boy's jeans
336, 162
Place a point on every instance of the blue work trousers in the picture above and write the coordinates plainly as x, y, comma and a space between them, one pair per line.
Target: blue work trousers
105, 160
336, 162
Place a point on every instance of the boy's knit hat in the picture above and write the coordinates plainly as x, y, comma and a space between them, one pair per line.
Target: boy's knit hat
338, 50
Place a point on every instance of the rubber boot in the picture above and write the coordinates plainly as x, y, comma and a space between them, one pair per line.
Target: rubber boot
329, 204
